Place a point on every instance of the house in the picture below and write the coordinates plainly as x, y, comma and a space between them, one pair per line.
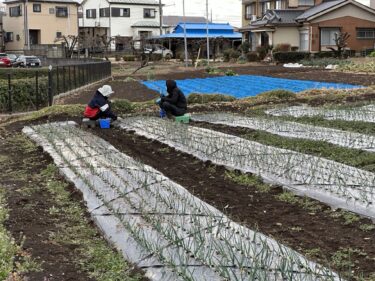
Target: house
309, 25
171, 22
2, 13
122, 20
28, 23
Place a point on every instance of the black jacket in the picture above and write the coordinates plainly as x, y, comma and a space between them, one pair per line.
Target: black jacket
99, 104
175, 95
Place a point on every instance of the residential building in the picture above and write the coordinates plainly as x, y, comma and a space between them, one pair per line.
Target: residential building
28, 23
171, 22
2, 13
311, 26
123, 20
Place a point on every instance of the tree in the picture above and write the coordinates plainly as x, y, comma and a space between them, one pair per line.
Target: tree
69, 42
341, 41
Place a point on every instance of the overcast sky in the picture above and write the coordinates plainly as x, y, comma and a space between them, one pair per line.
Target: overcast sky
222, 10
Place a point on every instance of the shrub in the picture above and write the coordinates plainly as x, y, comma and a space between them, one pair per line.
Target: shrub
122, 106
117, 57
156, 57
294, 48
262, 52
245, 47
278, 94
252, 56
21, 73
23, 93
230, 72
324, 55
231, 54
242, 59
323, 62
372, 54
128, 58
212, 70
286, 57
207, 98
282, 48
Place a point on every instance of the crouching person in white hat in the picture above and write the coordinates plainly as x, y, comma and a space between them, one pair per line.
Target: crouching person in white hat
100, 107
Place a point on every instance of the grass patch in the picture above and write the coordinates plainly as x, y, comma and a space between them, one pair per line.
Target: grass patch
196, 98
247, 180
93, 253
353, 157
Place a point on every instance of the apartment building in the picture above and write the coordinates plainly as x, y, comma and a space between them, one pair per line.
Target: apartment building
28, 23
308, 25
124, 20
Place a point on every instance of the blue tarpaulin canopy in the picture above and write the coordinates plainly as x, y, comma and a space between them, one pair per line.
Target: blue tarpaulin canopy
199, 30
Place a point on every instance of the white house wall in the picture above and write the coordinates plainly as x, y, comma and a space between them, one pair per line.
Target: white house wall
119, 26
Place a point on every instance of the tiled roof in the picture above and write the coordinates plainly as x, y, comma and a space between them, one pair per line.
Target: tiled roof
135, 2
175, 20
146, 24
48, 1
277, 18
318, 9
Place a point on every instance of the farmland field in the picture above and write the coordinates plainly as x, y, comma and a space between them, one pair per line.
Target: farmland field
266, 188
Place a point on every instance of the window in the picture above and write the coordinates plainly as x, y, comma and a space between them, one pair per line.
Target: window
91, 13
328, 36
265, 6
62, 12
249, 11
366, 33
278, 4
15, 11
306, 2
37, 8
51, 11
304, 41
8, 37
120, 12
145, 34
104, 12
149, 13
58, 34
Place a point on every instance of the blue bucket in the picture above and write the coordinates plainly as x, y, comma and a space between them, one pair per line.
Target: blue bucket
105, 123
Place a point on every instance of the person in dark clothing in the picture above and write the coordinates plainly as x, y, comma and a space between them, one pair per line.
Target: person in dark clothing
100, 107
175, 102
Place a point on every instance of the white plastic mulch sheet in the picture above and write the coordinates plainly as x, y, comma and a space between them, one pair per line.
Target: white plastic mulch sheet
160, 226
336, 184
292, 130
362, 114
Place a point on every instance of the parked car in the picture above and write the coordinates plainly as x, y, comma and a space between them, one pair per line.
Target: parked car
158, 49
28, 61
12, 57
4, 60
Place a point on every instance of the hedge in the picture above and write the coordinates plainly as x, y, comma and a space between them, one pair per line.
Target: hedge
21, 73
23, 94
286, 57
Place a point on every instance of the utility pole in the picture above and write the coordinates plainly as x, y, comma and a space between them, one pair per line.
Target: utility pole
161, 17
185, 38
208, 35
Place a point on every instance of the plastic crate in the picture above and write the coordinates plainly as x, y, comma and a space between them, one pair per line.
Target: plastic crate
183, 119
105, 123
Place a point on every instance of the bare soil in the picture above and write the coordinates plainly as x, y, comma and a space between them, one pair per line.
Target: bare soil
291, 224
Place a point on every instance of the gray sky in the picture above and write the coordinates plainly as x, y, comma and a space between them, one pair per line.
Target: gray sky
222, 10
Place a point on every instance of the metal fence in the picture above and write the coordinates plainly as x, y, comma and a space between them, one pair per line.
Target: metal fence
29, 89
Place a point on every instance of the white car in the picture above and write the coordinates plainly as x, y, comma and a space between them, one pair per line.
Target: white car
28, 61
158, 49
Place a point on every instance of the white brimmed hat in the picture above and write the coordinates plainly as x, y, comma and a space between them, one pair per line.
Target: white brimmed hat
106, 90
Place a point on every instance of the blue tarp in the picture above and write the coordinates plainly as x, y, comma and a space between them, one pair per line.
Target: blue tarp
244, 85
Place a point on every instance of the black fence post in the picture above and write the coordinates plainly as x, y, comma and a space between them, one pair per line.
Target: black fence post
37, 100
57, 80
10, 106
69, 79
50, 94
75, 76
64, 86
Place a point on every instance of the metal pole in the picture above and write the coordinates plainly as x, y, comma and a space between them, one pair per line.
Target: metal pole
185, 38
161, 17
37, 101
10, 107
208, 38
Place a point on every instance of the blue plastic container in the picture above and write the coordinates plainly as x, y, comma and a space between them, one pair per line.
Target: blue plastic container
163, 114
105, 123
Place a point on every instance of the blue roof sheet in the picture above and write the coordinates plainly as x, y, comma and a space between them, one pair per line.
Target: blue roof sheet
234, 35
212, 26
